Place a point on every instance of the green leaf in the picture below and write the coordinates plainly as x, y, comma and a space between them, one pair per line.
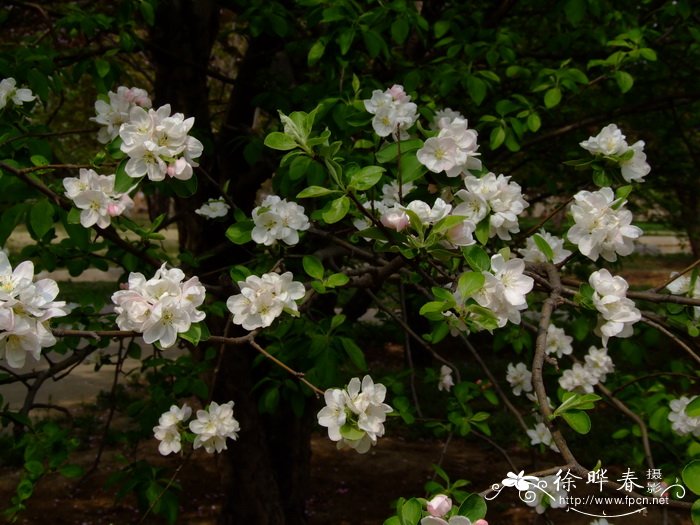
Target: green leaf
316, 52
41, 217
543, 246
440, 28
193, 335
578, 420
240, 232
498, 135
102, 67
39, 160
648, 54
348, 431
399, 30
337, 210
337, 279
469, 283
354, 353
476, 89
552, 97
147, 12
693, 408
184, 188
299, 166
123, 182
280, 141
345, 39
691, 476
477, 258
575, 11
313, 266
367, 177
390, 152
71, 471
624, 81
533, 122
411, 512
482, 232
474, 508
315, 191
623, 192
695, 512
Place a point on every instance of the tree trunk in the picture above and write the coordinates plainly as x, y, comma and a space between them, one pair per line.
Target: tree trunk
690, 215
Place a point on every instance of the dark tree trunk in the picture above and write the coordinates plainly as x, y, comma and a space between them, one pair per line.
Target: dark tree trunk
690, 215
266, 470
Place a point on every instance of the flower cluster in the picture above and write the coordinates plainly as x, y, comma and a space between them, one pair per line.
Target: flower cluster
111, 115
519, 378
10, 91
495, 197
582, 378
160, 307
25, 310
558, 342
541, 435
393, 111
453, 150
355, 415
532, 253
278, 220
610, 142
688, 286
504, 289
681, 423
94, 195
603, 227
158, 144
213, 208
610, 299
263, 299
211, 428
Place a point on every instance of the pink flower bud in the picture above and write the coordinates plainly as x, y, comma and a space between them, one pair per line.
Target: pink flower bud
439, 506
397, 93
481, 522
395, 220
113, 209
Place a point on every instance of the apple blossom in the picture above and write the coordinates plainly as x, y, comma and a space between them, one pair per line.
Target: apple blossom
610, 141
278, 220
446, 382
504, 199
635, 168
213, 208
213, 426
395, 219
532, 253
439, 505
682, 286
111, 115
558, 342
519, 378
94, 195
10, 91
542, 435
609, 298
168, 432
579, 378
681, 423
393, 111
454, 520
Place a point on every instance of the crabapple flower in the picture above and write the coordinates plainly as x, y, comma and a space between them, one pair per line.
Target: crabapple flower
446, 382
95, 197
505, 289
579, 378
395, 219
213, 208
393, 111
681, 423
263, 299
278, 220
635, 168
444, 117
439, 506
681, 286
558, 342
603, 227
168, 429
161, 307
111, 115
610, 141
519, 378
532, 253
609, 298
158, 144
26, 307
355, 415
10, 91
453, 151
454, 520
599, 363
541, 435
213, 426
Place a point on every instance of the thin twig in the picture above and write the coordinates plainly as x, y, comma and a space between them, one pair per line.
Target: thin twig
298, 375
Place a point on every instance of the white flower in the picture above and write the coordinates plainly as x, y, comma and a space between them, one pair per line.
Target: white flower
519, 378
515, 284
213, 426
161, 307
439, 505
599, 363
439, 154
395, 219
636, 168
263, 299
600, 521
390, 192
10, 91
428, 215
541, 434
453, 151
681, 286
681, 423
278, 220
94, 195
213, 208
558, 342
504, 199
168, 429
446, 382
454, 520
599, 229
532, 253
578, 379
111, 115
355, 415
444, 117
610, 141
393, 111
549, 497
609, 298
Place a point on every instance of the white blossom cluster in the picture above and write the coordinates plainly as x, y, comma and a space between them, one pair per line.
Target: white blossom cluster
603, 227
453, 150
681, 423
10, 92
505, 289
682, 286
558, 342
94, 195
211, 428
618, 313
278, 220
582, 378
263, 299
611, 142
519, 378
495, 197
213, 209
393, 111
390, 200
25, 310
541, 435
532, 253
111, 115
355, 415
160, 307
158, 144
